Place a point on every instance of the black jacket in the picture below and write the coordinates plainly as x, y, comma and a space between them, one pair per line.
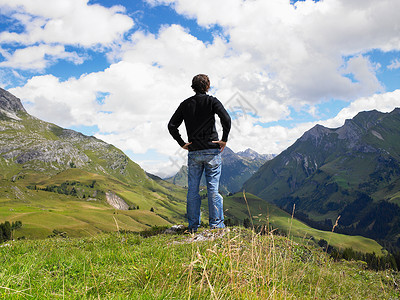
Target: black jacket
198, 112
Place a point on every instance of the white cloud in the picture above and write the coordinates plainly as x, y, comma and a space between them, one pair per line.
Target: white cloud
72, 22
38, 57
247, 134
55, 23
394, 64
385, 102
303, 47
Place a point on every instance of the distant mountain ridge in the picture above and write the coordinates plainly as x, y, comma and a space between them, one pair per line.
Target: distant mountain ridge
251, 154
352, 171
236, 169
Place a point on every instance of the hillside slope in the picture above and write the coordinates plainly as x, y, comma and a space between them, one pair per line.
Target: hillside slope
61, 163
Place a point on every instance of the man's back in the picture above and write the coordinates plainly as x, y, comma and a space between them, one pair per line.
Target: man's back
198, 112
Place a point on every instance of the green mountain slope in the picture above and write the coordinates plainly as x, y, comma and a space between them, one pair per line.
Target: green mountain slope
42, 164
237, 208
352, 171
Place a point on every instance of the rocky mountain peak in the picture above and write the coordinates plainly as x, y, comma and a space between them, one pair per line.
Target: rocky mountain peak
251, 154
9, 103
228, 151
248, 153
316, 133
351, 131
396, 111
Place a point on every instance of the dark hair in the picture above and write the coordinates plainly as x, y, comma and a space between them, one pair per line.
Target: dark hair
200, 83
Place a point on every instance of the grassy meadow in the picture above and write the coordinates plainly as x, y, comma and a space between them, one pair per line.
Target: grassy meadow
239, 264
86, 212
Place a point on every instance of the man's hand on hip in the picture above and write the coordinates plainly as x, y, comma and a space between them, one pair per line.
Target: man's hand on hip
221, 144
186, 146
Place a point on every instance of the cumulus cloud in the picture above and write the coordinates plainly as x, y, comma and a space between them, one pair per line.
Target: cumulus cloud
55, 23
66, 22
303, 47
38, 57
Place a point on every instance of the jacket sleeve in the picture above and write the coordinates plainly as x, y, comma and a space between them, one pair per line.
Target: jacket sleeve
223, 115
173, 125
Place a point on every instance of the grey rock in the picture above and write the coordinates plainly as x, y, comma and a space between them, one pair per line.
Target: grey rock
10, 103
175, 229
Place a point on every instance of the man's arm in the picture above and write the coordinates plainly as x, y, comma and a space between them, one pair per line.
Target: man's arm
173, 125
223, 115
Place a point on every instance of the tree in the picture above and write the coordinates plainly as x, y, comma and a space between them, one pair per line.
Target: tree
2, 238
7, 230
15, 225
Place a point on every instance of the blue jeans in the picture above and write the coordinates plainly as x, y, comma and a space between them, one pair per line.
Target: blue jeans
210, 161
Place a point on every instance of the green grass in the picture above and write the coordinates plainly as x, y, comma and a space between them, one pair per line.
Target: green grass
42, 212
240, 265
87, 213
77, 218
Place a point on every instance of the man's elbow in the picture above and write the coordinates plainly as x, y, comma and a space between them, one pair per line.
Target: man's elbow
171, 129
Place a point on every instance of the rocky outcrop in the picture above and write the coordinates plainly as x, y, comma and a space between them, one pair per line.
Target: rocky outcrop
116, 201
10, 103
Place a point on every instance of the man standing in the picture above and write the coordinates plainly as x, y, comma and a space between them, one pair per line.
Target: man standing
204, 148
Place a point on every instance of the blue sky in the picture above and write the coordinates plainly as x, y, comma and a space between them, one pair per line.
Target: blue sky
118, 69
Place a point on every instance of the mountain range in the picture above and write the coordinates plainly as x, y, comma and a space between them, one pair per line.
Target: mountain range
352, 171
236, 169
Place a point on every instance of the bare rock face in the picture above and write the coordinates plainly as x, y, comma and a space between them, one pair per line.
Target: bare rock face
316, 133
116, 201
9, 103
